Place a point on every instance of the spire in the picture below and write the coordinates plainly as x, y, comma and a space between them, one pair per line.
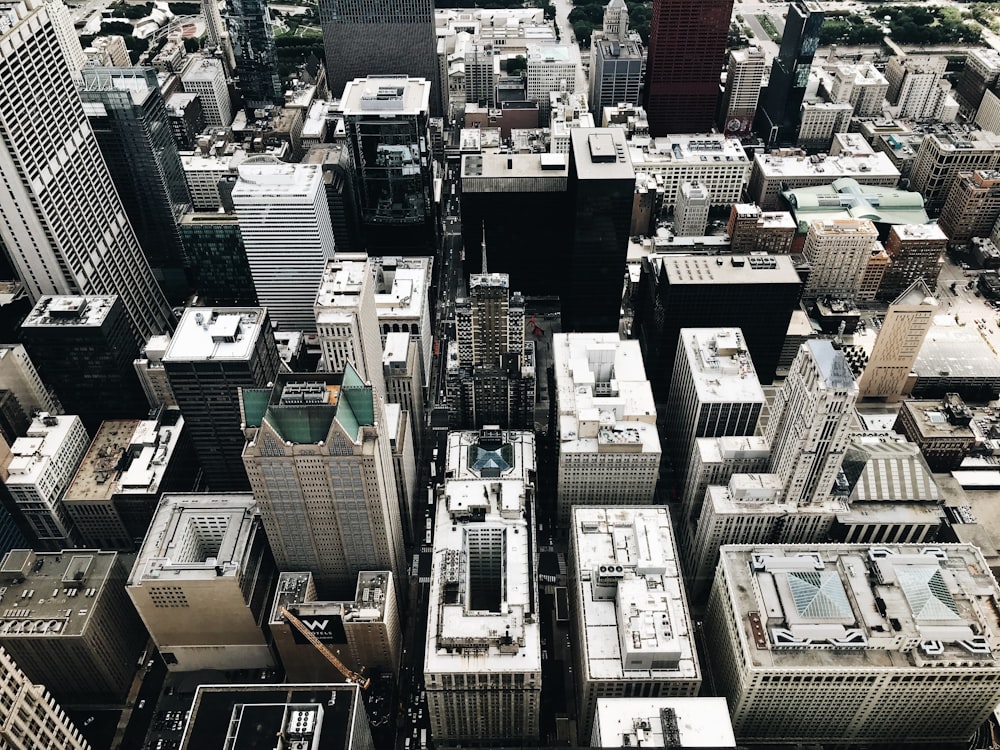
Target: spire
484, 248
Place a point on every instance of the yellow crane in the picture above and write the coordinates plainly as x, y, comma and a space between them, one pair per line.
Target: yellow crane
349, 674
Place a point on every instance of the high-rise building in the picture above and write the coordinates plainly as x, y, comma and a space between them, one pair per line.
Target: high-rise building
483, 660
18, 374
838, 251
981, 72
252, 40
617, 59
214, 353
550, 68
83, 347
871, 645
127, 114
972, 206
206, 77
663, 722
916, 253
340, 181
810, 422
912, 80
691, 211
778, 117
390, 40
887, 374
402, 374
320, 466
153, 378
601, 186
218, 32
202, 582
36, 473
285, 223
942, 156
609, 450
687, 51
217, 258
633, 635
73, 628
863, 86
29, 717
741, 94
65, 230
387, 130
403, 301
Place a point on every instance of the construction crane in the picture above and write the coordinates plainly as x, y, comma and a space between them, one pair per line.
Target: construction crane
357, 678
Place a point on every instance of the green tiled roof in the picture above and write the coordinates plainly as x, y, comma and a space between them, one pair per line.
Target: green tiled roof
356, 406
253, 402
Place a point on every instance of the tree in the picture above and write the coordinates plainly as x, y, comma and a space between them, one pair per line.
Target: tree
516, 65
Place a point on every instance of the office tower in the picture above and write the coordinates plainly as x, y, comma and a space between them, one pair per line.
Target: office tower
550, 68
347, 326
252, 40
320, 466
108, 51
601, 184
403, 377
916, 253
758, 294
14, 422
617, 60
714, 391
69, 42
152, 375
218, 32
778, 117
888, 373
129, 465
285, 224
972, 206
202, 582
29, 716
396, 40
206, 77
981, 73
403, 302
838, 252
754, 231
400, 427
217, 258
36, 472
364, 630
65, 230
911, 79
340, 181
491, 379
687, 50
741, 94
862, 86
663, 722
810, 422
609, 450
186, 117
130, 121
483, 664
386, 120
819, 121
72, 629
531, 187
822, 663
83, 347
943, 155
18, 375
633, 635
691, 211
214, 353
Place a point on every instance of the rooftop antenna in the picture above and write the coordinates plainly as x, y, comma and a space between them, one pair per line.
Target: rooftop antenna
484, 248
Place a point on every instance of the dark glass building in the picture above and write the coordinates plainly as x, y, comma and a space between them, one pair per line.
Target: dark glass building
687, 52
252, 39
134, 133
341, 193
217, 259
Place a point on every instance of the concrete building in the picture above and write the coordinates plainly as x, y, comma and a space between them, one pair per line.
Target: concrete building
916, 253
285, 224
714, 160
364, 630
201, 582
152, 375
108, 50
550, 68
956, 359
29, 716
820, 121
113, 495
400, 426
36, 473
838, 251
981, 72
744, 77
863, 86
609, 450
691, 211
751, 230
18, 375
663, 722
69, 624
483, 661
988, 114
972, 206
943, 155
810, 422
213, 353
633, 635
313, 439
915, 85
866, 644
401, 372
205, 168
206, 77
875, 271
403, 303
941, 429
616, 67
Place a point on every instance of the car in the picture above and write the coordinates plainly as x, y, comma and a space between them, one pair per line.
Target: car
142, 704
89, 721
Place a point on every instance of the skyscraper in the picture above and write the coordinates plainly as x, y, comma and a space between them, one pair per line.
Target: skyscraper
687, 50
130, 121
838, 251
617, 58
252, 39
320, 466
64, 227
742, 91
363, 38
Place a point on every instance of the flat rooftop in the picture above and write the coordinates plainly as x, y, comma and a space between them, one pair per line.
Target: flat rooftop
265, 177
733, 269
721, 366
601, 154
702, 150
34, 453
69, 310
664, 722
955, 351
861, 166
479, 171
373, 591
340, 287
401, 287
384, 95
51, 594
215, 333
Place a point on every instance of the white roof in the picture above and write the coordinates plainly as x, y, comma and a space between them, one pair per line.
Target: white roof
215, 333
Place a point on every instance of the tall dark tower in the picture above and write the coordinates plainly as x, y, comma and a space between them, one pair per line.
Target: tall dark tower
253, 47
778, 118
687, 51
380, 37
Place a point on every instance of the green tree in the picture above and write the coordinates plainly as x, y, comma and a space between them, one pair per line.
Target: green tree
516, 65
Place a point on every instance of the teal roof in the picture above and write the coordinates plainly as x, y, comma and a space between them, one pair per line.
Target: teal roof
357, 406
253, 402
846, 198
301, 424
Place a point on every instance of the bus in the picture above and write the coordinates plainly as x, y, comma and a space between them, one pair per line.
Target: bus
423, 739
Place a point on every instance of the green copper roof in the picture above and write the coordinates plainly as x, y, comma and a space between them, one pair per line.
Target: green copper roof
253, 402
356, 406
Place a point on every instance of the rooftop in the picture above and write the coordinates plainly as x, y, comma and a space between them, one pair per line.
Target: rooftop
373, 590
883, 468
702, 150
720, 365
664, 722
846, 198
219, 333
266, 177
490, 166
386, 95
70, 310
734, 269
955, 351
844, 164
33, 454
401, 286
601, 154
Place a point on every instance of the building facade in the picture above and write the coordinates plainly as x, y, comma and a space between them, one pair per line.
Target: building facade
838, 251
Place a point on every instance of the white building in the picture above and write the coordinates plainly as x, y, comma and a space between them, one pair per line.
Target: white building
285, 223
206, 77
108, 52
744, 77
204, 168
550, 68
943, 155
915, 88
717, 162
862, 85
632, 631
69, 41
152, 375
663, 722
483, 664
41, 466
18, 374
871, 645
988, 114
820, 120
838, 251
401, 372
609, 450
691, 211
